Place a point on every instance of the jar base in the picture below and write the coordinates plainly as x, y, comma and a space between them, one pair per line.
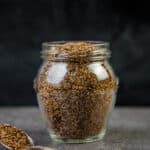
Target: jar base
59, 139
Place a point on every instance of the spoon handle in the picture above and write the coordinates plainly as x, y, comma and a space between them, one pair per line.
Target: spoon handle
38, 148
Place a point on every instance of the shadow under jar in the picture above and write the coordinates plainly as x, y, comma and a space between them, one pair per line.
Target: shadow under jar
76, 89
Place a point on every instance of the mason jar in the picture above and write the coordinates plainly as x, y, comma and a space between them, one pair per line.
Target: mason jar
76, 90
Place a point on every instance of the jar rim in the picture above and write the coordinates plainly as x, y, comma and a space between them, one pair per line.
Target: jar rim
51, 50
60, 43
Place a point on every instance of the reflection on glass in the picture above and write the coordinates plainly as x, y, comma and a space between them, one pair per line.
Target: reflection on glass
99, 70
56, 72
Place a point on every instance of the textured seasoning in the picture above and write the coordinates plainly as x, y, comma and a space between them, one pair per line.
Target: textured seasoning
78, 105
13, 137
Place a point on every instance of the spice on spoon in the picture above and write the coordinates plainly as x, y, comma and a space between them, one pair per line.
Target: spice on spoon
14, 138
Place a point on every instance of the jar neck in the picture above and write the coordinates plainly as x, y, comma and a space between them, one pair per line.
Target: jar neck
75, 51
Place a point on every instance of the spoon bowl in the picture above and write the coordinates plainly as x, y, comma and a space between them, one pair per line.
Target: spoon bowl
4, 134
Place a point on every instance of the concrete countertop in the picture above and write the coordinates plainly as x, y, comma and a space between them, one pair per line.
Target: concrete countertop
129, 129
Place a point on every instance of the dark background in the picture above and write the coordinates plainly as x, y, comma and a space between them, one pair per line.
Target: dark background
25, 24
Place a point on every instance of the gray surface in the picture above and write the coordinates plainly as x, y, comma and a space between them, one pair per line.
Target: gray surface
129, 129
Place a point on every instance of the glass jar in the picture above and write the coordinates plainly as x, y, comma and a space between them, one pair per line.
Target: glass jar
76, 89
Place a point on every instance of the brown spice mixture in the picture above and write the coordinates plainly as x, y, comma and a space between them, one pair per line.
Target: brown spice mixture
76, 107
74, 51
13, 137
75, 47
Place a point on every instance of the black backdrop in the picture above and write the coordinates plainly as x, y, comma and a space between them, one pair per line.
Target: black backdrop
25, 24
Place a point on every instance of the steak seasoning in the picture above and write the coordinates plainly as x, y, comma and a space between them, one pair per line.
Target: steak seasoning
76, 90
